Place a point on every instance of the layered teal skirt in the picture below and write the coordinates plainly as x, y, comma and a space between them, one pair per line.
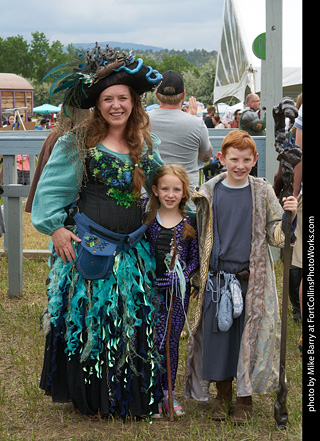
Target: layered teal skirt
101, 349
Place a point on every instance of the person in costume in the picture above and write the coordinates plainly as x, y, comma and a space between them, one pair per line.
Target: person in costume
100, 350
167, 212
236, 334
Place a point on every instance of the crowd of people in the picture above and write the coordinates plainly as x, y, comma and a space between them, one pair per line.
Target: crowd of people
134, 236
47, 121
23, 165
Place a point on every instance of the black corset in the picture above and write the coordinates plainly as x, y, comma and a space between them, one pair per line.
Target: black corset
162, 249
104, 210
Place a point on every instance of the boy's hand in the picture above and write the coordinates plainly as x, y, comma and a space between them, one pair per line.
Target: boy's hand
290, 204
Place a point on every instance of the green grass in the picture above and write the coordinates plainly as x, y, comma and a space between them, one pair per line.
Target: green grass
27, 414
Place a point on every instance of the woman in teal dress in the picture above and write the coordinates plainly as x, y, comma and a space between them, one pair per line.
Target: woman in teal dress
100, 350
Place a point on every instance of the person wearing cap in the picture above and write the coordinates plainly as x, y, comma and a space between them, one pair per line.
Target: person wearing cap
184, 137
100, 350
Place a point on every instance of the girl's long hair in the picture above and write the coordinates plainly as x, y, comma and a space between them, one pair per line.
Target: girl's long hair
181, 173
136, 134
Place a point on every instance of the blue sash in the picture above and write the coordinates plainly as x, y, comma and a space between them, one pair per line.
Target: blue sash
99, 246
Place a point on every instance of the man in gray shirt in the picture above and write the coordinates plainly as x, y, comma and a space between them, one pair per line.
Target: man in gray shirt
184, 137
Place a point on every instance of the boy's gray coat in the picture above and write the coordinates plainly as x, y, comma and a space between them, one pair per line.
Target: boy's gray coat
258, 364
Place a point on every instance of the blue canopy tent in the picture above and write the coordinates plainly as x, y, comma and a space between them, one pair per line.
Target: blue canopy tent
46, 108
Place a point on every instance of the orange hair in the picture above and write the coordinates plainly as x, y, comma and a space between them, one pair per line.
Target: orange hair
238, 139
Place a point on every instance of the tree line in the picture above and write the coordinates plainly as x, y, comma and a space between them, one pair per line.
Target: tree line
33, 60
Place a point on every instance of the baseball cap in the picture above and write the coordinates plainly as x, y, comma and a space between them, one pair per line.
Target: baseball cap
171, 79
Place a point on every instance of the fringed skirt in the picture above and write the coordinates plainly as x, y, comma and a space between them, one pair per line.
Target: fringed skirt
100, 350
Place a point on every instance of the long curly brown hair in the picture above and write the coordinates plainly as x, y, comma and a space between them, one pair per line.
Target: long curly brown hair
137, 133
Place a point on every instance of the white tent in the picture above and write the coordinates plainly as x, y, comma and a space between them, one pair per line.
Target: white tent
238, 70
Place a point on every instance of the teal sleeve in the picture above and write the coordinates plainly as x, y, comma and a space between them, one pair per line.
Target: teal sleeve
156, 162
58, 187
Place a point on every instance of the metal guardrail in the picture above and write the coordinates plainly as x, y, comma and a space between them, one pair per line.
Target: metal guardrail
260, 141
30, 143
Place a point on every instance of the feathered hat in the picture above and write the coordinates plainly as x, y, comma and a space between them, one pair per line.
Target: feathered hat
93, 71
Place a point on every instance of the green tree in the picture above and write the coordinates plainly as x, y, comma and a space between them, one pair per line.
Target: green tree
14, 56
56, 55
44, 56
200, 83
33, 61
39, 55
150, 98
174, 62
41, 94
149, 61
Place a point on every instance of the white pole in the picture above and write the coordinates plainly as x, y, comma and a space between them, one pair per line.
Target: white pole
273, 79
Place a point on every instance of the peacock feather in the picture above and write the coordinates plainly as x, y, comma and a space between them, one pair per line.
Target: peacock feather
89, 67
86, 68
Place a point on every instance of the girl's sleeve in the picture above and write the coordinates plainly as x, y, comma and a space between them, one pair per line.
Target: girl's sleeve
58, 187
156, 162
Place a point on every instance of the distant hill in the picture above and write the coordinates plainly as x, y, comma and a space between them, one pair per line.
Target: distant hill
118, 44
197, 57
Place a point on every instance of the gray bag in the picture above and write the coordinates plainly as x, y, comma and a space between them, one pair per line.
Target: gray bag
225, 316
228, 299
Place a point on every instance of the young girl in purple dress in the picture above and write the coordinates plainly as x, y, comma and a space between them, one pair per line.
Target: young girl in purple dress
166, 213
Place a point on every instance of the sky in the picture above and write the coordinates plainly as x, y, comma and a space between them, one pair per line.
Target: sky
169, 24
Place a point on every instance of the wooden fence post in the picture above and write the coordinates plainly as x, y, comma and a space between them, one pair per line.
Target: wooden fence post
11, 144
15, 248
